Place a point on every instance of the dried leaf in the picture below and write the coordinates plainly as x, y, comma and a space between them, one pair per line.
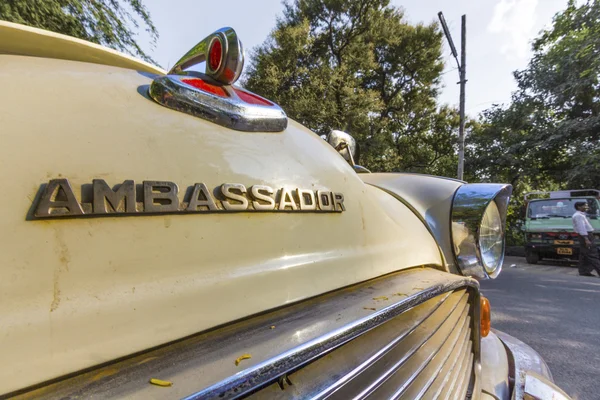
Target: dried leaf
160, 382
242, 357
380, 298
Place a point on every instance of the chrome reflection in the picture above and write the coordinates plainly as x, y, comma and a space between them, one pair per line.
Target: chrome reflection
347, 147
228, 110
210, 95
271, 370
470, 205
344, 144
231, 61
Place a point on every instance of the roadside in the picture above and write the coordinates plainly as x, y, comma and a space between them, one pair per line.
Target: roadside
554, 266
555, 311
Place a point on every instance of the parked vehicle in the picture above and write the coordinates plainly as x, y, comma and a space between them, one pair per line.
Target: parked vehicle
170, 235
549, 227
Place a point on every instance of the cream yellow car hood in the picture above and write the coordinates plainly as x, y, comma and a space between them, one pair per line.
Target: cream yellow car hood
28, 41
82, 291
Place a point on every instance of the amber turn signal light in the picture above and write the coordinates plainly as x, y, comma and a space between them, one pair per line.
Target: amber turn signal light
486, 317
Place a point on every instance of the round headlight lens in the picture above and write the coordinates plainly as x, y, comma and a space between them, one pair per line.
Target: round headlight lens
491, 238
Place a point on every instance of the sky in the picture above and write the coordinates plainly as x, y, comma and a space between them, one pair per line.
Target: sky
499, 35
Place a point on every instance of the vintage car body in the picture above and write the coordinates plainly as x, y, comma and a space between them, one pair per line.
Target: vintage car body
360, 287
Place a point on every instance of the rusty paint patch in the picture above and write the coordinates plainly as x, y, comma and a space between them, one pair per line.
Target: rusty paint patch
56, 292
145, 360
104, 374
380, 298
64, 258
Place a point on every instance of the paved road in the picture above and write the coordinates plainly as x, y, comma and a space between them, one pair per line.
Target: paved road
556, 312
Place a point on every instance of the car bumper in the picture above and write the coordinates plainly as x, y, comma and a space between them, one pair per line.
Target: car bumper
550, 249
529, 375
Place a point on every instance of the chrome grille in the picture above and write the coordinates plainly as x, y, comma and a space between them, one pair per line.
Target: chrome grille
403, 335
425, 352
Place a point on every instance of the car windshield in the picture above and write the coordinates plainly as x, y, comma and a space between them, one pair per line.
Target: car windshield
558, 208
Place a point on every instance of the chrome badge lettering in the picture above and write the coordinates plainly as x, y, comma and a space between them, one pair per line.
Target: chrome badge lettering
58, 199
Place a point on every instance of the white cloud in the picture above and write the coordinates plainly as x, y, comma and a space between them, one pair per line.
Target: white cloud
515, 20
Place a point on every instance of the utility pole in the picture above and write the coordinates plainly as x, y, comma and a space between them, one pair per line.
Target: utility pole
462, 72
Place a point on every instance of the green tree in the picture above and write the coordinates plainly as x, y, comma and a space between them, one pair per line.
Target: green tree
357, 65
110, 23
548, 137
550, 132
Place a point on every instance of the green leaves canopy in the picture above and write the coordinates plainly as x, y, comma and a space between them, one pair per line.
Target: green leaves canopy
548, 137
550, 133
357, 65
106, 22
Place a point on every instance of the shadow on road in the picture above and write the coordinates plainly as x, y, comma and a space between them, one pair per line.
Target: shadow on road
557, 315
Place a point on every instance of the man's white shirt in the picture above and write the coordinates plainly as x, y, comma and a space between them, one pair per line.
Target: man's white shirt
581, 225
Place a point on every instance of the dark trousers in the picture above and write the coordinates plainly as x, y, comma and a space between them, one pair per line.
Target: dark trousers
588, 256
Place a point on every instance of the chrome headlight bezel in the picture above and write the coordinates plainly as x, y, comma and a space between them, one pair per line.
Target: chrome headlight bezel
468, 209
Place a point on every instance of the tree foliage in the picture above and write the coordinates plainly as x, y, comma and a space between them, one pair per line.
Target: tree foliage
357, 65
548, 137
110, 23
550, 131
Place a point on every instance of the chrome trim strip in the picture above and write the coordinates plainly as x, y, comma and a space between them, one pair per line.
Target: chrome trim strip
269, 371
394, 368
465, 379
468, 207
446, 381
461, 337
460, 371
375, 357
424, 365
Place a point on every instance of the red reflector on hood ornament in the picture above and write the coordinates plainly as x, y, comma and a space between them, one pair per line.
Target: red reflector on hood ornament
207, 87
210, 95
215, 55
251, 98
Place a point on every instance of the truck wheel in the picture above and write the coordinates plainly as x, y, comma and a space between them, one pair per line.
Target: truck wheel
532, 257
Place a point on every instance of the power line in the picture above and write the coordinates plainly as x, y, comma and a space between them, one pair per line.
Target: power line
489, 102
451, 70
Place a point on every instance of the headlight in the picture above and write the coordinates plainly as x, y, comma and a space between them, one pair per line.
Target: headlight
478, 224
491, 238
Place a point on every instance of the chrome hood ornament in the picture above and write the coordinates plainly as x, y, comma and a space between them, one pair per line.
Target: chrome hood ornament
223, 53
211, 95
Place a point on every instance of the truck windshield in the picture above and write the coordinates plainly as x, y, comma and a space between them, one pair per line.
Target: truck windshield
558, 208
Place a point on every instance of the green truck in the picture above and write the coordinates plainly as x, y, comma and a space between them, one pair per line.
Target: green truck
548, 224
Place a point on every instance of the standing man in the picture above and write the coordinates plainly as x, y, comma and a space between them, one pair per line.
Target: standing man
588, 254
